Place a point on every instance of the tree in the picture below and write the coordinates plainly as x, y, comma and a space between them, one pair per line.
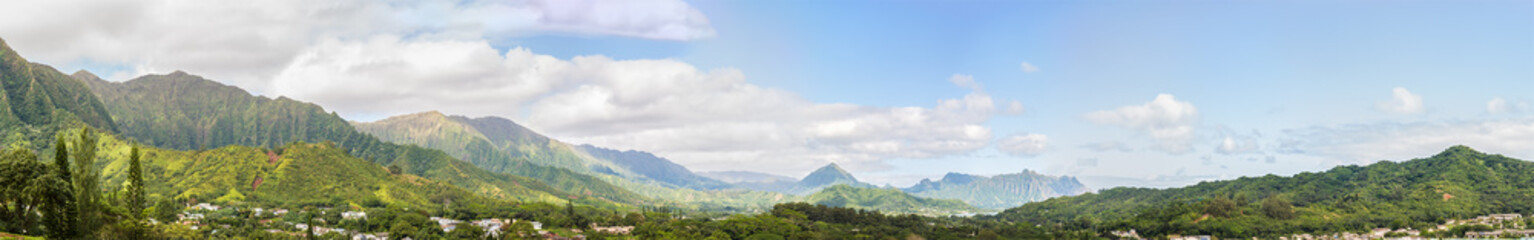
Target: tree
518, 230
466, 230
86, 182
165, 210
1277, 208
135, 195
57, 198
59, 209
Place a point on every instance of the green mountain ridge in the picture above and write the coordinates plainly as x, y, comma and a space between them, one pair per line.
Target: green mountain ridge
186, 112
493, 142
1458, 183
302, 174
1000, 191
38, 101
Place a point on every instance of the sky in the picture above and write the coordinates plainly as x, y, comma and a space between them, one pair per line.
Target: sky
1115, 93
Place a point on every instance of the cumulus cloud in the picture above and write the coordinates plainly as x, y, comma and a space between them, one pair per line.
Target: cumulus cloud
1028, 67
1364, 143
707, 119
1023, 144
1169, 121
249, 42
1233, 146
1499, 106
1401, 102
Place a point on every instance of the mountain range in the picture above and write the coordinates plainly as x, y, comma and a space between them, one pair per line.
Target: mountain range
207, 137
1000, 191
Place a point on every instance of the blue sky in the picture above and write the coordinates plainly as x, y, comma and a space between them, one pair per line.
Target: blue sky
1170, 92
1248, 66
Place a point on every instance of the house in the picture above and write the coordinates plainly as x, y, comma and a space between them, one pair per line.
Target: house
257, 211
354, 215
622, 230
279, 211
1131, 234
491, 226
447, 224
1199, 237
206, 207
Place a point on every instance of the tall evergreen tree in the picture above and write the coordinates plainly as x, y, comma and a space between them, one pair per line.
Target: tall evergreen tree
59, 209
135, 197
61, 159
86, 182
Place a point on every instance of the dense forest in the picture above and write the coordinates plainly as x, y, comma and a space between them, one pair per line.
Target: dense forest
1459, 183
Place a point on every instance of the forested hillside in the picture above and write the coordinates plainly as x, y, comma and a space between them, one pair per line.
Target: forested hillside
887, 200
187, 112
1000, 191
39, 101
1458, 183
294, 175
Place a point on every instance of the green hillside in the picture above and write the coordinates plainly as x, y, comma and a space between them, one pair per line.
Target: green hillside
1000, 191
186, 112
886, 200
1458, 183
434, 130
500, 145
293, 175
37, 101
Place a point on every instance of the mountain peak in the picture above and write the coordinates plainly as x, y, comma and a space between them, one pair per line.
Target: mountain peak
829, 174
1459, 150
83, 74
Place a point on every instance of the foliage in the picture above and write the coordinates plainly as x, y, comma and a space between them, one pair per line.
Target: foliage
1458, 183
887, 200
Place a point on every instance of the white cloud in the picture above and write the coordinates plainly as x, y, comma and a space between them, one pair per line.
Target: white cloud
1023, 144
1496, 105
705, 119
1500, 106
1233, 146
1028, 67
1364, 143
1014, 107
1164, 119
1402, 102
249, 42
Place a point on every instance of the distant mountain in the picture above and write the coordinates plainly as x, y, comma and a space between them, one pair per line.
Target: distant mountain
998, 192
499, 144
829, 175
653, 167
37, 100
886, 200
1459, 183
745, 176
186, 112
492, 142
